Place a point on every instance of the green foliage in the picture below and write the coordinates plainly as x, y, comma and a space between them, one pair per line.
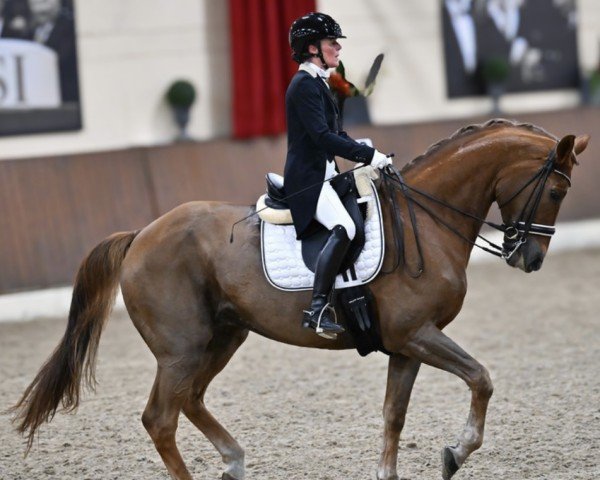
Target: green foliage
181, 93
495, 70
594, 87
595, 81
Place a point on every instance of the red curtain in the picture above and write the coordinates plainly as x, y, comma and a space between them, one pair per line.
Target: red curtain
261, 62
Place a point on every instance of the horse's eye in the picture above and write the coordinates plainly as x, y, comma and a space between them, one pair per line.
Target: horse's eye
556, 195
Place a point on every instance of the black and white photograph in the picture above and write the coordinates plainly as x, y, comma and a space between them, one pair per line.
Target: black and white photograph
524, 45
39, 86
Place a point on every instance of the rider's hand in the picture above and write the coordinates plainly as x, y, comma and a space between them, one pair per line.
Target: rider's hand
380, 160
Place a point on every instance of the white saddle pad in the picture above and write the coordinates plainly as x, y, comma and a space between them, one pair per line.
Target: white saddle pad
282, 253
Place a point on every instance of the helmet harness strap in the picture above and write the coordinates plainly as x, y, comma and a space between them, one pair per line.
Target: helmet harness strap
319, 55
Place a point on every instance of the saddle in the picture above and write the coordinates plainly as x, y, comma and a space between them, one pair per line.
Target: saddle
345, 187
281, 251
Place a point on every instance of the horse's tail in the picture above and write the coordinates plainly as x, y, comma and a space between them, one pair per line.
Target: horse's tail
59, 380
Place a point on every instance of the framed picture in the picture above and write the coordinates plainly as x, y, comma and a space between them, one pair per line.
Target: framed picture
39, 83
525, 45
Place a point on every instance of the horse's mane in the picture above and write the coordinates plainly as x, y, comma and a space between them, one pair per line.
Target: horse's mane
469, 129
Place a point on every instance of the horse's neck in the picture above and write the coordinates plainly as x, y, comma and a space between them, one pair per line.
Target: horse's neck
462, 175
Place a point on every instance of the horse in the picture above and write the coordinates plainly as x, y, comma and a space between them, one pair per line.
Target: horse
194, 297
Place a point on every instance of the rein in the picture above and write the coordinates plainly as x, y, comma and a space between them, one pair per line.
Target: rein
392, 178
515, 233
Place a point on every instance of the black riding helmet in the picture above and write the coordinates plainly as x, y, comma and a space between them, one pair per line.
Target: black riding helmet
309, 30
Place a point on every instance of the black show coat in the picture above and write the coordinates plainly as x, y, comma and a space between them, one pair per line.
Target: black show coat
313, 139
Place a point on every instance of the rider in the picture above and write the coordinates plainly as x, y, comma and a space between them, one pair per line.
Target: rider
313, 141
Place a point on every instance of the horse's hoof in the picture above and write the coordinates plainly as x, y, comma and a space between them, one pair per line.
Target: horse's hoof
226, 476
449, 465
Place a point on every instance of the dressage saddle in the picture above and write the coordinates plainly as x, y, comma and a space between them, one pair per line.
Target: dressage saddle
356, 302
345, 187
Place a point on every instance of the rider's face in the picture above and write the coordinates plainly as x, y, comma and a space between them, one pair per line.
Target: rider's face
331, 52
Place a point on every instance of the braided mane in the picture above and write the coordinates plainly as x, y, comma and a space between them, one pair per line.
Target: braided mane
469, 129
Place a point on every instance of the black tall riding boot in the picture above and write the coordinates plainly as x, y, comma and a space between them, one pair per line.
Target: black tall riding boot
319, 316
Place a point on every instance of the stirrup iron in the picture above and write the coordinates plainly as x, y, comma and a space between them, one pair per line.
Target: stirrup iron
317, 328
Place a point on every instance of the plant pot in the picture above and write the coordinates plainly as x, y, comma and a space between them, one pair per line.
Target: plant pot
182, 118
595, 97
495, 91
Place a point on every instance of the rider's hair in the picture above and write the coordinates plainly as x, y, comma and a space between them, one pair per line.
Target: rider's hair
303, 54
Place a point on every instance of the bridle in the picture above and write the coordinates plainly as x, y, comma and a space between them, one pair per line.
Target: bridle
515, 233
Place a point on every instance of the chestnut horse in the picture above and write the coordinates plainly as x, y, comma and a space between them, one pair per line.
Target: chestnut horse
194, 297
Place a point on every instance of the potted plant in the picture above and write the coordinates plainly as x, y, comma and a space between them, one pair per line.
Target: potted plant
181, 95
495, 71
353, 112
594, 87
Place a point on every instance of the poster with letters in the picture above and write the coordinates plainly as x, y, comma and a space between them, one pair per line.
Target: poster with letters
39, 86
527, 45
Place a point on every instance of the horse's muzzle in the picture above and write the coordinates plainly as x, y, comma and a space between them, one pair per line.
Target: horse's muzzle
523, 254
535, 263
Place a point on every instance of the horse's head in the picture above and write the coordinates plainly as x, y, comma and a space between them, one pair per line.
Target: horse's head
529, 198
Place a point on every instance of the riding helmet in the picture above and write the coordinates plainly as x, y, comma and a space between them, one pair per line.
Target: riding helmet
310, 28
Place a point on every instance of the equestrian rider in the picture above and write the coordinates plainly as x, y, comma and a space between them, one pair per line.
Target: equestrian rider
313, 142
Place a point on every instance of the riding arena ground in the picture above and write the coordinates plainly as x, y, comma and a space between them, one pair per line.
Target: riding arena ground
304, 414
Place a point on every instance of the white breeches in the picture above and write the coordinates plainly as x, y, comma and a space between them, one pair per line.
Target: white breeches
330, 209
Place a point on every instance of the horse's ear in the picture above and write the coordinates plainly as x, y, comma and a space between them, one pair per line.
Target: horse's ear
565, 148
581, 143
564, 152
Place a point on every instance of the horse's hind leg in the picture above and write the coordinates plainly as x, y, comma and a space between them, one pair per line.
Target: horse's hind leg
178, 338
220, 350
160, 418
431, 346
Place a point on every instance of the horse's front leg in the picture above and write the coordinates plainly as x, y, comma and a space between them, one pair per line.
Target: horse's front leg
402, 372
431, 346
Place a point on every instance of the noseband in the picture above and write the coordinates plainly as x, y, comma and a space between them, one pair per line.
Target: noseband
515, 233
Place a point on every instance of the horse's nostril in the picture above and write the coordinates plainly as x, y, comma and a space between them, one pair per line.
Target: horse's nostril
536, 264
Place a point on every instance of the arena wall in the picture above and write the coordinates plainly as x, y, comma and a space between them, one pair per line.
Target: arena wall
130, 51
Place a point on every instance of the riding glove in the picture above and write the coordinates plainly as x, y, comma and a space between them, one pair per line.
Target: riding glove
380, 160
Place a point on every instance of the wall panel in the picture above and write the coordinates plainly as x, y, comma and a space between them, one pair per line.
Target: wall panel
55, 209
